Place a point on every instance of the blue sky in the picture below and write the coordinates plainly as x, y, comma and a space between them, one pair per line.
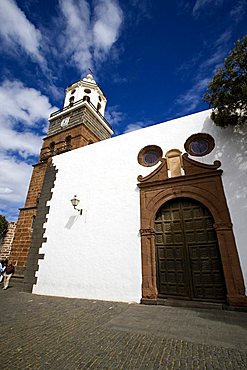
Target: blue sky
152, 59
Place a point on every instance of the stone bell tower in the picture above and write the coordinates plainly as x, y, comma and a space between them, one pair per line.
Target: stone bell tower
79, 123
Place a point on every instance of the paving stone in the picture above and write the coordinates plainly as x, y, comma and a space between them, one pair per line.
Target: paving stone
41, 332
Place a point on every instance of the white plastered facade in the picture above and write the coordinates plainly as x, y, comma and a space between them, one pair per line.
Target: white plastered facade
98, 255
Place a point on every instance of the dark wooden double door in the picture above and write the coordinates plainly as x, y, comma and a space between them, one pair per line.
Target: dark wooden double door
187, 254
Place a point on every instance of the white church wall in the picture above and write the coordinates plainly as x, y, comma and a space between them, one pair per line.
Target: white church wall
231, 150
98, 255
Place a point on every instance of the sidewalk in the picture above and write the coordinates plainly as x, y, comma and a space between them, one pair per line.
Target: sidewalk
40, 332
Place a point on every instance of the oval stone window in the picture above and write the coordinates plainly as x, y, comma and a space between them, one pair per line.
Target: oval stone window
150, 155
199, 147
199, 144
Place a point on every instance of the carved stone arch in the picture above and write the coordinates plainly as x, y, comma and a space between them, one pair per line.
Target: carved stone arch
185, 192
202, 183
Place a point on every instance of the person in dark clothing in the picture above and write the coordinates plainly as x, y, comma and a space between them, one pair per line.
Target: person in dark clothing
10, 269
1, 271
3, 264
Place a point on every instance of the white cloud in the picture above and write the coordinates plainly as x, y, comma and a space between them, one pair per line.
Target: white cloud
18, 33
135, 126
219, 51
117, 79
108, 19
183, 5
25, 143
114, 116
201, 4
20, 103
16, 29
193, 97
22, 112
238, 11
78, 37
89, 33
14, 179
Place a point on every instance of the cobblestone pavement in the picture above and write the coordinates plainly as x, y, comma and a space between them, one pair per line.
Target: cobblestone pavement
40, 332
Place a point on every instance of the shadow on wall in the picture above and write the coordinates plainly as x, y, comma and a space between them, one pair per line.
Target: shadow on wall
71, 222
231, 150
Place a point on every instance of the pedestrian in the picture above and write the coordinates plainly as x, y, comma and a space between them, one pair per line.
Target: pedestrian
1, 271
4, 263
10, 269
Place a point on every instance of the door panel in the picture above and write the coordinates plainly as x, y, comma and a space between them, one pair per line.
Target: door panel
188, 260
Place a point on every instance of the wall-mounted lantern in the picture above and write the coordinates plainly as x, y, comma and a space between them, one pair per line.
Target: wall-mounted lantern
75, 203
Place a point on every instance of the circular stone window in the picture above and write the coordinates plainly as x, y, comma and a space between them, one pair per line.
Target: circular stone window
199, 145
150, 155
87, 91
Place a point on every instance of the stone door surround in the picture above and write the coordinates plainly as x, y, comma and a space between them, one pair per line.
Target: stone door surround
201, 182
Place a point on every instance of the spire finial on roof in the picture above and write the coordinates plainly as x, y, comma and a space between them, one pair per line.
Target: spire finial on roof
89, 76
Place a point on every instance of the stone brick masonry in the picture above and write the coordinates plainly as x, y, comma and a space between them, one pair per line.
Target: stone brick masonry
5, 247
23, 233
76, 117
68, 139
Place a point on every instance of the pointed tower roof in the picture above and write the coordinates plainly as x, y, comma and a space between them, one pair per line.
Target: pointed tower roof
89, 77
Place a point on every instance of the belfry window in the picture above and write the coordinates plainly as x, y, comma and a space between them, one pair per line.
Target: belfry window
68, 140
52, 147
71, 100
86, 98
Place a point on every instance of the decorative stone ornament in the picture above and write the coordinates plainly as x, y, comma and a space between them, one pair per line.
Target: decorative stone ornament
174, 162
